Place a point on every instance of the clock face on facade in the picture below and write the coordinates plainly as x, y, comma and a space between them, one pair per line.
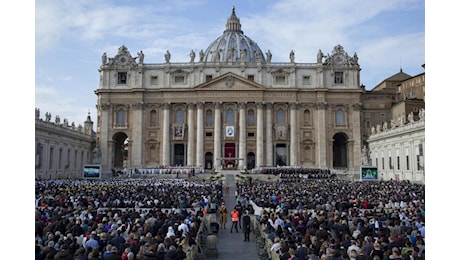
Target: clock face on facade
123, 60
339, 59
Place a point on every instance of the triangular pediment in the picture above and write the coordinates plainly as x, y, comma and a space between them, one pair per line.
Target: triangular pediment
230, 82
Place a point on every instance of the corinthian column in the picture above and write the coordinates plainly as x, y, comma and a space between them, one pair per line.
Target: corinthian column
260, 135
191, 134
165, 143
293, 144
136, 155
355, 161
217, 135
242, 136
321, 139
199, 135
269, 138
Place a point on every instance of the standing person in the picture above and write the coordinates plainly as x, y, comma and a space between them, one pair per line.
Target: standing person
235, 217
239, 208
227, 189
223, 216
246, 226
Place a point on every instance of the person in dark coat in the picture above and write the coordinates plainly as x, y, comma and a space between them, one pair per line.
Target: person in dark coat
246, 226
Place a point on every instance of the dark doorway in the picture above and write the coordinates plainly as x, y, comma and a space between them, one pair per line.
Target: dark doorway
251, 161
339, 150
179, 152
281, 155
208, 161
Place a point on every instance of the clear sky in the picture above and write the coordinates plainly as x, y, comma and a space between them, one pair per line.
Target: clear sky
71, 36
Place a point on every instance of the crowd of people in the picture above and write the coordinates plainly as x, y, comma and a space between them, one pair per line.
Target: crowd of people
159, 218
120, 219
291, 174
330, 218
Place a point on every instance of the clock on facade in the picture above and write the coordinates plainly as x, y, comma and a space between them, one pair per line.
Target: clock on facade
339, 59
123, 60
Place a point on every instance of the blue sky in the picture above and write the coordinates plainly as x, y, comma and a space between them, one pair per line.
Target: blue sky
71, 36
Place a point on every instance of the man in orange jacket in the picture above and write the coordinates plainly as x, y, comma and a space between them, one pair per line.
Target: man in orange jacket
235, 215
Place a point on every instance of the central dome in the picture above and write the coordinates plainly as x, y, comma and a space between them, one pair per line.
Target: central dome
233, 46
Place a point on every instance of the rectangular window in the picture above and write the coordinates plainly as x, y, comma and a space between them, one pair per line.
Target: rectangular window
419, 166
122, 77
208, 78
338, 77
407, 162
154, 80
377, 162
391, 164
208, 134
179, 79
306, 80
60, 158
75, 160
397, 163
51, 158
251, 134
383, 163
67, 165
251, 78
280, 79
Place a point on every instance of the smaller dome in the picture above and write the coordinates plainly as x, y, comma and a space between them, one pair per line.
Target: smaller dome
233, 45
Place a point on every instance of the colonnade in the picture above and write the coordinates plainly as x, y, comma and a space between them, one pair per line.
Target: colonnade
195, 128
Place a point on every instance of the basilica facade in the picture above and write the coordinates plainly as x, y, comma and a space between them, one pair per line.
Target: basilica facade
230, 107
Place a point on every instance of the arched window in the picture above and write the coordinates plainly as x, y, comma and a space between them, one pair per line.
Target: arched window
208, 117
121, 119
251, 117
280, 117
306, 117
339, 117
230, 116
153, 118
179, 116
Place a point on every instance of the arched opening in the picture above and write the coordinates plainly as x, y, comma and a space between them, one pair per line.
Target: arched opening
251, 161
120, 151
208, 161
339, 150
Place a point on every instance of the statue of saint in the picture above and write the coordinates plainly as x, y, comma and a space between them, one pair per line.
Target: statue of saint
269, 56
421, 113
104, 58
141, 57
292, 56
192, 56
167, 56
201, 55
319, 56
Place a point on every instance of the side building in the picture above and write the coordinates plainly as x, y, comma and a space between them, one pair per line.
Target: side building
62, 149
395, 141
